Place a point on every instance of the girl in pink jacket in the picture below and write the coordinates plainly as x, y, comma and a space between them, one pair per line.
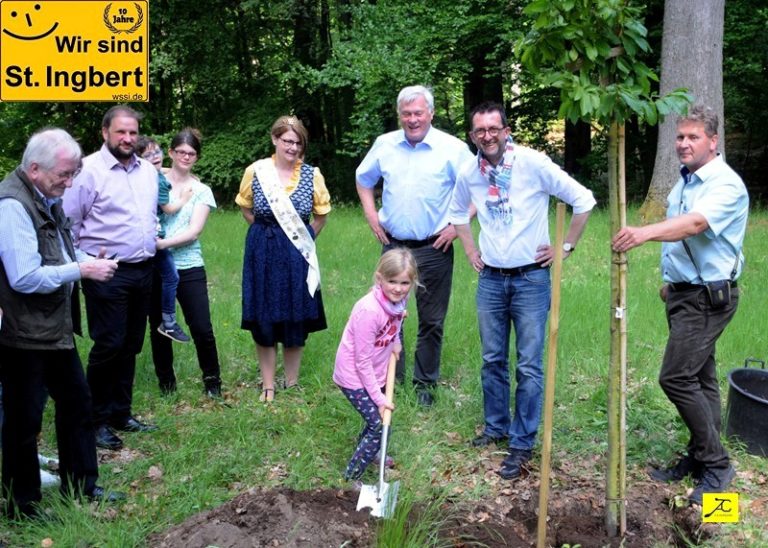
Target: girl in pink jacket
370, 337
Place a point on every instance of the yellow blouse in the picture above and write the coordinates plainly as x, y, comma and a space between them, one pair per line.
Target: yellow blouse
321, 199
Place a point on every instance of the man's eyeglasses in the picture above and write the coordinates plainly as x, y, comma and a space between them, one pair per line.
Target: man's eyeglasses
492, 131
66, 175
288, 143
186, 153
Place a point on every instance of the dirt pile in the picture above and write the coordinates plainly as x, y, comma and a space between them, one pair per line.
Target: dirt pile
327, 518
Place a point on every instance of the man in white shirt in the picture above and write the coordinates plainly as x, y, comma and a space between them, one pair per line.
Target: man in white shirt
510, 186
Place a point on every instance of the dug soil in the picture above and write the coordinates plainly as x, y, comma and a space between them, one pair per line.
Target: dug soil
328, 518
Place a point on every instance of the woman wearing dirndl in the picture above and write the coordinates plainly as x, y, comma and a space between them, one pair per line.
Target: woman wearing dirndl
286, 204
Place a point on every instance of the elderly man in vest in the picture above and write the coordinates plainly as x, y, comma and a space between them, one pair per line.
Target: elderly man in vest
39, 271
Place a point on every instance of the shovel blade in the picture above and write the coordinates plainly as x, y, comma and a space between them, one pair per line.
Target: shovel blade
382, 504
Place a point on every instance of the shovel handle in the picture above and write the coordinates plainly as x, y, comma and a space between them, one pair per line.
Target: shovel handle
389, 389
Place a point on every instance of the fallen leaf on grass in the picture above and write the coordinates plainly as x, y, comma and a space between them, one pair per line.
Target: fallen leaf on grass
155, 473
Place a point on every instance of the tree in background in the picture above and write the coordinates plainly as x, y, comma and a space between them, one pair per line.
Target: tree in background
230, 67
692, 58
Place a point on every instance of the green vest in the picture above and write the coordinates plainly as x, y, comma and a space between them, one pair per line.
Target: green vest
39, 321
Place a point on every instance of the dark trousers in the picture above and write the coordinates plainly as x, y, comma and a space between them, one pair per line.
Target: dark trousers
117, 320
25, 375
192, 295
688, 373
435, 276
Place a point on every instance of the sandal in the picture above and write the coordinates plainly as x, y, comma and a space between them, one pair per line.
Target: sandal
267, 395
294, 386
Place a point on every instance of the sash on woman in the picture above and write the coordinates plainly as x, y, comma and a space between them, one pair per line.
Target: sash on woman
288, 219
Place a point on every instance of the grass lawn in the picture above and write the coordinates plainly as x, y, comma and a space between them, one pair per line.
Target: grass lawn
207, 452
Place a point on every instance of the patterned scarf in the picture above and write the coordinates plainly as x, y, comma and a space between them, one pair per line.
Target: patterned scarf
393, 309
499, 177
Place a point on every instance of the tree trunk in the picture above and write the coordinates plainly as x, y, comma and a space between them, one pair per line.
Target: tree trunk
691, 57
578, 144
616, 471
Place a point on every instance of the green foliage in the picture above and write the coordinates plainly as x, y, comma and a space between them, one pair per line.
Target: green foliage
590, 51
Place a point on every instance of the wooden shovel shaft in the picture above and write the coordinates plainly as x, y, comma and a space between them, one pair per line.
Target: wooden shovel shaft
389, 389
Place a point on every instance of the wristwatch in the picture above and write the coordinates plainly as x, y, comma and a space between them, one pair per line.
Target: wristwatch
568, 247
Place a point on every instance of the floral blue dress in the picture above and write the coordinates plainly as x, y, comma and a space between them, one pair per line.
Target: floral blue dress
277, 306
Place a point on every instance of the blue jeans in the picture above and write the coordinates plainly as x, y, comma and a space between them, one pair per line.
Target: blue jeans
169, 278
521, 300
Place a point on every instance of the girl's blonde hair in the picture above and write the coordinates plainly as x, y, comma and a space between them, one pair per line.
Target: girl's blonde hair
396, 261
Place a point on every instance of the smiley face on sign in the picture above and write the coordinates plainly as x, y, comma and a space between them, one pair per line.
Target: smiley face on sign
23, 32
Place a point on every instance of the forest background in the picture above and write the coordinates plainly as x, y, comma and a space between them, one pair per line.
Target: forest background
230, 67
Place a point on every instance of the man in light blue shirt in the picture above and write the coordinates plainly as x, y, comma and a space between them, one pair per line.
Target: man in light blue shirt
703, 235
418, 165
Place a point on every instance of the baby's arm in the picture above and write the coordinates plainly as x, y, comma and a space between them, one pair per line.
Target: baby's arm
173, 207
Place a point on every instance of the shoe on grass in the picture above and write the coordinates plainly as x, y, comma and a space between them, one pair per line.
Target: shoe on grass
173, 332
484, 440
713, 480
686, 466
512, 466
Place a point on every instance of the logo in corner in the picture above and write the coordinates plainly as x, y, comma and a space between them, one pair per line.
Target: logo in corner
32, 24
124, 20
720, 507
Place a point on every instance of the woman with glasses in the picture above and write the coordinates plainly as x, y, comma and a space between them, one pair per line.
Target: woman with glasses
285, 202
182, 232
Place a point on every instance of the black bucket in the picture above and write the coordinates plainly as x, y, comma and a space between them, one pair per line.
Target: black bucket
748, 407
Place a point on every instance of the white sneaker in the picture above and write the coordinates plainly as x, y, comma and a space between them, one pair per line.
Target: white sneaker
45, 461
48, 480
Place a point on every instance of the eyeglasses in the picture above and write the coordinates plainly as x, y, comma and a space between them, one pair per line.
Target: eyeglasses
67, 175
492, 131
186, 153
157, 153
288, 143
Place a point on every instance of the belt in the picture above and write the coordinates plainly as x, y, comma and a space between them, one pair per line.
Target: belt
411, 244
516, 271
140, 264
686, 286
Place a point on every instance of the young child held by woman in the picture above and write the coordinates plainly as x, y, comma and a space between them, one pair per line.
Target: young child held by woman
150, 150
370, 337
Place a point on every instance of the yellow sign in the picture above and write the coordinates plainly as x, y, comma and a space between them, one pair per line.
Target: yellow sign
720, 507
74, 50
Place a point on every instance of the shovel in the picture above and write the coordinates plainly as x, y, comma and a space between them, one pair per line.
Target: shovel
382, 498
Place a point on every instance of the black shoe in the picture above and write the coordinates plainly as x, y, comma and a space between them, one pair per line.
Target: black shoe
107, 439
424, 397
98, 494
713, 480
686, 466
513, 465
131, 424
212, 387
484, 440
173, 332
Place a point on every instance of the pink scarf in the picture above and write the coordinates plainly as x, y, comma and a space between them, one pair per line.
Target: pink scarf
396, 310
